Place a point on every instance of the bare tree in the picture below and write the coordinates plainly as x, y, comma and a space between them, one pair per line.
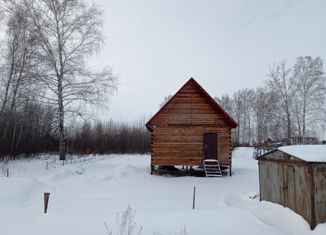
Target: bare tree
310, 91
248, 96
10, 54
281, 83
265, 104
18, 51
292, 103
238, 113
67, 32
226, 102
241, 108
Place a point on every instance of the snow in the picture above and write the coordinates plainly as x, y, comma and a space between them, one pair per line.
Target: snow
85, 195
309, 153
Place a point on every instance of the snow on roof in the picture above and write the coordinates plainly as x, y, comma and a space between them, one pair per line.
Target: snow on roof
309, 153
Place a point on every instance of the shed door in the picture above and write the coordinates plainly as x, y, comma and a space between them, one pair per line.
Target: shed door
210, 145
289, 187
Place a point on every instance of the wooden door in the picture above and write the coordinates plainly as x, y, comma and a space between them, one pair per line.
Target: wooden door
210, 146
289, 187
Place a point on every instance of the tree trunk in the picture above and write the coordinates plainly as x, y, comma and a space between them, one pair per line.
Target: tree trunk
303, 124
12, 142
289, 131
298, 120
249, 133
62, 149
12, 67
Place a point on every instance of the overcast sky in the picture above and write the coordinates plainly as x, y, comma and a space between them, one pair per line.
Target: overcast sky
155, 46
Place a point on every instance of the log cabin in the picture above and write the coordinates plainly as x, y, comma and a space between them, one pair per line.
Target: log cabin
189, 128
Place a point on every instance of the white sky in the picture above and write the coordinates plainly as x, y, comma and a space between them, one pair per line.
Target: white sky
155, 46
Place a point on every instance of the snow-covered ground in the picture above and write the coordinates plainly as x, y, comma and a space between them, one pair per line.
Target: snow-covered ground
85, 195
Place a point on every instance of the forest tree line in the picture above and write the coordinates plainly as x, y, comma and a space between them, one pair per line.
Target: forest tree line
290, 104
29, 132
109, 137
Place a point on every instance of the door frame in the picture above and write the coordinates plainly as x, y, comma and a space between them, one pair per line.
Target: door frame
288, 186
204, 145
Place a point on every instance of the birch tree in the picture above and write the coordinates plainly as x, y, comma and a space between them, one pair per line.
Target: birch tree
17, 62
238, 107
226, 102
262, 103
267, 123
281, 82
68, 32
310, 91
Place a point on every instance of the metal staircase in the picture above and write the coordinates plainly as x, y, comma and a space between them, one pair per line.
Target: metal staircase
212, 168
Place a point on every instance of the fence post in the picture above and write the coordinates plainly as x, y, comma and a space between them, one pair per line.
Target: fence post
194, 198
7, 173
46, 202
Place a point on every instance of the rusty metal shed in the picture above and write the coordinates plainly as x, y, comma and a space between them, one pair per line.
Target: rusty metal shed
295, 177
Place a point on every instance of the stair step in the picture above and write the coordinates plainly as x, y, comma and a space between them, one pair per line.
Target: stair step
212, 168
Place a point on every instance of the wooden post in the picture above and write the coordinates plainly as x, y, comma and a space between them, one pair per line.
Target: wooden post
7, 173
46, 202
194, 198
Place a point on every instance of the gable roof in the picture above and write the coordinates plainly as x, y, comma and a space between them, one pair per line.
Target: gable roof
229, 120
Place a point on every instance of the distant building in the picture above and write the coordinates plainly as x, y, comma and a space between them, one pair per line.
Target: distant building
269, 141
303, 140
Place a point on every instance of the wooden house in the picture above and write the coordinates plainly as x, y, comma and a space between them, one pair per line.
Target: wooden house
190, 128
295, 177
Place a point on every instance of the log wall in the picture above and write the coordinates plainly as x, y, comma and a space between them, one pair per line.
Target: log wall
184, 146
